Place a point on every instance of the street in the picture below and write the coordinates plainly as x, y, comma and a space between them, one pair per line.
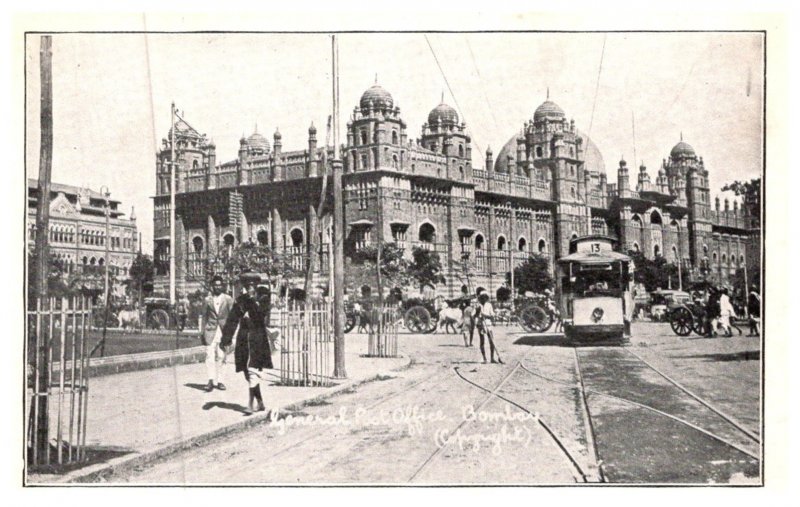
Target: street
449, 419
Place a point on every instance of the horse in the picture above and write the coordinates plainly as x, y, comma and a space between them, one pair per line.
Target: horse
129, 318
449, 318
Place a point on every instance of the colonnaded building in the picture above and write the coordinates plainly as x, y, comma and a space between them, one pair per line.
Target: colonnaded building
77, 230
547, 185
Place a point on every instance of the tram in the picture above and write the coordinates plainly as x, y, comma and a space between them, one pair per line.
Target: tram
593, 287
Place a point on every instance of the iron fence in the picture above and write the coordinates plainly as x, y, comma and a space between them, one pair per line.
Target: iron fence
57, 345
382, 338
306, 344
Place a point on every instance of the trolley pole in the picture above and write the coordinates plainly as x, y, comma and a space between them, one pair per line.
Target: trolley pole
172, 209
106, 293
339, 370
40, 344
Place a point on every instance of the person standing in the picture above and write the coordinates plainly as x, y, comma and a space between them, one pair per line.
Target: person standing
252, 353
484, 322
213, 315
712, 311
754, 309
726, 312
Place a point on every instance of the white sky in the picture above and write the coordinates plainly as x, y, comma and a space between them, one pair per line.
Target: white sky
112, 95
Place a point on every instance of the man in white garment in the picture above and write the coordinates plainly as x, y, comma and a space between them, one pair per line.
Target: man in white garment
212, 318
726, 311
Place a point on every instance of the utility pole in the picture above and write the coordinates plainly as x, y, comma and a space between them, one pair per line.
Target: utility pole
104, 190
172, 208
339, 370
41, 344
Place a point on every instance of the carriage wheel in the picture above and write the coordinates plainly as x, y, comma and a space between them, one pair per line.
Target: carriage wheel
350, 322
682, 322
159, 319
534, 319
417, 319
699, 325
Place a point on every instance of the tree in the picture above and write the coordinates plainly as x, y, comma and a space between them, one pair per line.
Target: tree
426, 267
653, 273
142, 271
751, 191
361, 268
532, 275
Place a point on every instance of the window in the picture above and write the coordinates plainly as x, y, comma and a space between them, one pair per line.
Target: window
479, 242
501, 243
461, 172
522, 244
460, 150
394, 162
656, 251
363, 137
427, 233
394, 137
538, 152
542, 246
297, 237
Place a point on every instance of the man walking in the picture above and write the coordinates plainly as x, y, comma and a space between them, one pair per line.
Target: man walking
213, 315
484, 323
726, 312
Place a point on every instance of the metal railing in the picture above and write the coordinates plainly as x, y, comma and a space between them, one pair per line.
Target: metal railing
57, 347
382, 338
306, 344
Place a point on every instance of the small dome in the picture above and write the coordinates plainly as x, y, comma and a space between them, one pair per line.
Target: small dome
682, 149
443, 114
257, 142
312, 129
380, 98
277, 135
549, 110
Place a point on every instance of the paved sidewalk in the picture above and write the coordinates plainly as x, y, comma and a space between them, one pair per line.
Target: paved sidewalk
147, 413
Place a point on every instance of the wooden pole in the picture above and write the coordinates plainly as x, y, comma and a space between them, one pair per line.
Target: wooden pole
339, 370
42, 229
172, 209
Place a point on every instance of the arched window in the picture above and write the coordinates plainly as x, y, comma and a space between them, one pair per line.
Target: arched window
714, 257
85, 260
705, 251
194, 164
572, 191
636, 247
413, 168
460, 150
479, 242
394, 161
655, 218
542, 246
101, 262
262, 237
522, 244
675, 254
197, 244
363, 137
364, 161
501, 243
427, 233
538, 152
741, 260
228, 241
724, 259
297, 237
574, 235
461, 172
394, 137
92, 261
656, 251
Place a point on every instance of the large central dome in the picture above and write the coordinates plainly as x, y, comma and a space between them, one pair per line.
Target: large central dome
257, 142
592, 158
380, 98
682, 149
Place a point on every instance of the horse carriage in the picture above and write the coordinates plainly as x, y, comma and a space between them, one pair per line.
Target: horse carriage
687, 318
535, 314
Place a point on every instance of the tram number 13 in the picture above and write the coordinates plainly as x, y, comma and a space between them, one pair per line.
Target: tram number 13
594, 248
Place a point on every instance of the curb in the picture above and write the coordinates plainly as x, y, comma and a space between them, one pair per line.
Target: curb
101, 366
101, 471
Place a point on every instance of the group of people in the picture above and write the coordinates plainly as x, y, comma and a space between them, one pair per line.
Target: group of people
720, 311
477, 315
249, 313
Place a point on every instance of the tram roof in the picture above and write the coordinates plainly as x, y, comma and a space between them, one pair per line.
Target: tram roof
595, 258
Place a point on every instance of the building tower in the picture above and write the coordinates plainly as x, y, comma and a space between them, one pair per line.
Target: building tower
375, 133
444, 134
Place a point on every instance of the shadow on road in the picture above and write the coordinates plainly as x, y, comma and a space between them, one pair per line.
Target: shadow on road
226, 405
199, 387
746, 355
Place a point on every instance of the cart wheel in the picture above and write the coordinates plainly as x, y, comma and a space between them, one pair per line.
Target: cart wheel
349, 323
682, 322
159, 319
534, 319
699, 325
417, 319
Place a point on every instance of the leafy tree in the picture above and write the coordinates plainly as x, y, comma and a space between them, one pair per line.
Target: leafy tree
426, 267
532, 275
142, 271
503, 294
361, 268
751, 191
653, 273
247, 257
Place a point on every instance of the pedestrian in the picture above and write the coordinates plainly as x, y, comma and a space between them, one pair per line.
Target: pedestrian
754, 309
183, 313
712, 311
484, 323
553, 309
252, 353
213, 315
726, 312
468, 324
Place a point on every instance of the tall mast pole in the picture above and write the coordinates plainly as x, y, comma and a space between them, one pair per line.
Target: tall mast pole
41, 343
338, 228
172, 207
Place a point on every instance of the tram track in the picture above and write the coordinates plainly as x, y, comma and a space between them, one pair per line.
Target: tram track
582, 475
584, 392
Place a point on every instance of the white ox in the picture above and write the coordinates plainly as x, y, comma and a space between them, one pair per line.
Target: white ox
449, 318
129, 319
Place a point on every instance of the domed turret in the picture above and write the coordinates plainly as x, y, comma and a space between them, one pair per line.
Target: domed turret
682, 149
443, 115
258, 143
378, 97
548, 110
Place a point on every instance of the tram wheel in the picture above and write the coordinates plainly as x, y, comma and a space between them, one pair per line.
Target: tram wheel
682, 322
159, 319
349, 323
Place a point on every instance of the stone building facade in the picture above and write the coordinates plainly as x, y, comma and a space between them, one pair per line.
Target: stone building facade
547, 185
77, 236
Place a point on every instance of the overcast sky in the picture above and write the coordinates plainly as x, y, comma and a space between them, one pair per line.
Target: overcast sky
112, 95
